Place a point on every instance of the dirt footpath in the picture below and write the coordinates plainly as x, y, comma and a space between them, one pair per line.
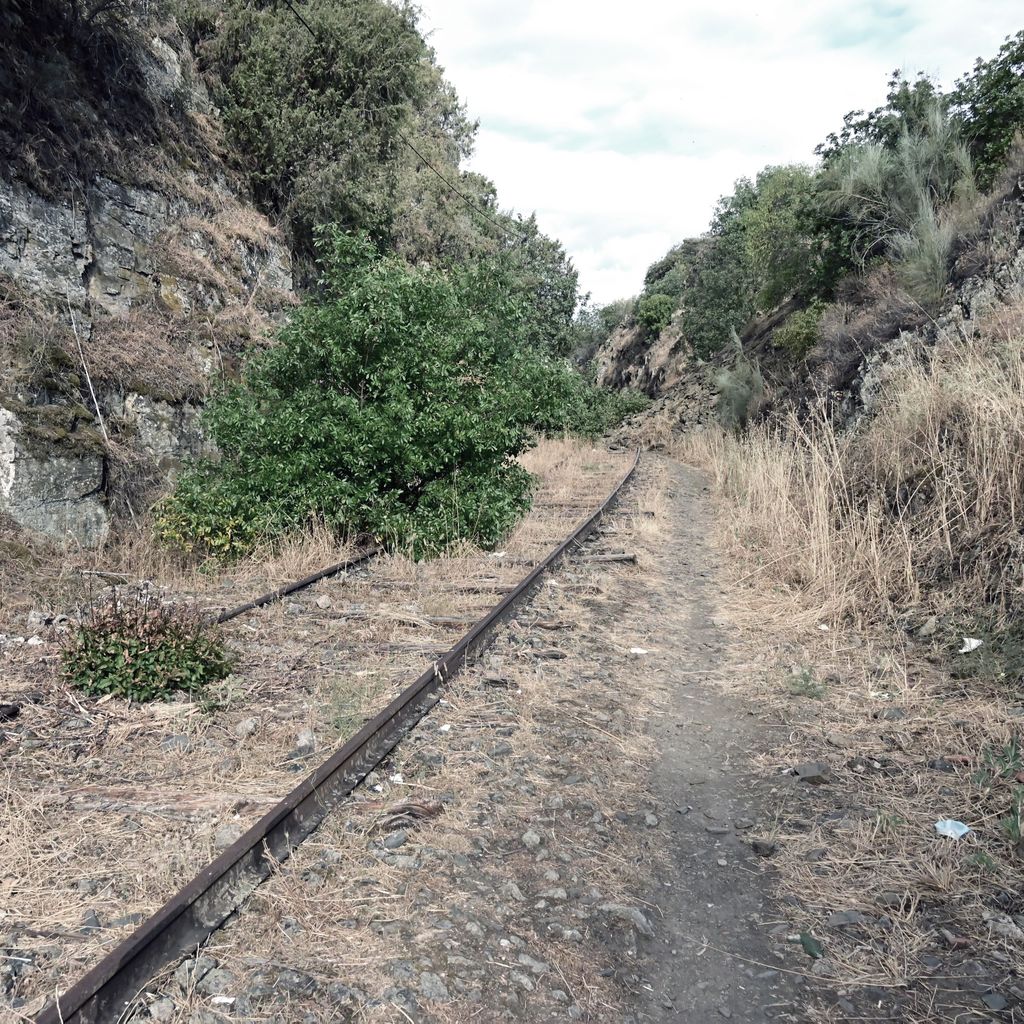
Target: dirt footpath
568, 835
715, 953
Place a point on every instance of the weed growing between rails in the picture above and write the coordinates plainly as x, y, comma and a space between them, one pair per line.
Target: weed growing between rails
139, 647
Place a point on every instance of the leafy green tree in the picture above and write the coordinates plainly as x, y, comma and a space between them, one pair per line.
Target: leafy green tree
592, 326
719, 298
318, 106
388, 406
394, 403
543, 283
779, 228
908, 106
990, 103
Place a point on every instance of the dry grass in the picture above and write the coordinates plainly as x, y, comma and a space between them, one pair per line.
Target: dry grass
921, 502
843, 546
172, 775
906, 748
35, 345
344, 910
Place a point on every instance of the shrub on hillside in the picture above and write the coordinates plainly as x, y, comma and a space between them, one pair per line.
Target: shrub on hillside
720, 293
740, 390
593, 326
139, 648
990, 103
801, 331
654, 313
908, 200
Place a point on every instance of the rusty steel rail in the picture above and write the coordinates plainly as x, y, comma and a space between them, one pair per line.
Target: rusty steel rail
103, 994
290, 588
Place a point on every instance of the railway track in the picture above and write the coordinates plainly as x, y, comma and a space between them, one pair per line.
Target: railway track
206, 902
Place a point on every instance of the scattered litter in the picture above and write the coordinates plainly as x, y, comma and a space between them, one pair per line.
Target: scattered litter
814, 772
970, 644
497, 554
812, 947
396, 779
444, 728
639, 650
951, 828
33, 641
823, 627
223, 1000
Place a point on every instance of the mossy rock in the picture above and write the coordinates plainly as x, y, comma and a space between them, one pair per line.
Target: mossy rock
46, 426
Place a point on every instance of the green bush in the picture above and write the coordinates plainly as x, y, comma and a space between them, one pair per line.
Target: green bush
799, 334
139, 648
654, 312
779, 230
394, 404
902, 199
740, 390
574, 404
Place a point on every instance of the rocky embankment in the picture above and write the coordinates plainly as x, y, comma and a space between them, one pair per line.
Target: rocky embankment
868, 336
121, 288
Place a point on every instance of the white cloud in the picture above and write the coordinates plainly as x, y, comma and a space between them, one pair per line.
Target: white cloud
620, 125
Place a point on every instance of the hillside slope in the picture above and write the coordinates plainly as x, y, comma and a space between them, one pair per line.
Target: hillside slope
872, 334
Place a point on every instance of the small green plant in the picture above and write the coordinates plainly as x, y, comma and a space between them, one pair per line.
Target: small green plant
803, 684
888, 824
142, 649
1005, 759
984, 862
1013, 823
799, 334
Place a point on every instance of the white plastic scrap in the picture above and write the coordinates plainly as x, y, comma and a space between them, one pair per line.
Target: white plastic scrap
639, 650
951, 828
823, 627
970, 644
396, 779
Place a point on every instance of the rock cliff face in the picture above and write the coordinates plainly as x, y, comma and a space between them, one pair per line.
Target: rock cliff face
631, 359
119, 295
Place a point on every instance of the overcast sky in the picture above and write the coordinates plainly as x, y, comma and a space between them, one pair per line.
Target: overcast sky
620, 124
